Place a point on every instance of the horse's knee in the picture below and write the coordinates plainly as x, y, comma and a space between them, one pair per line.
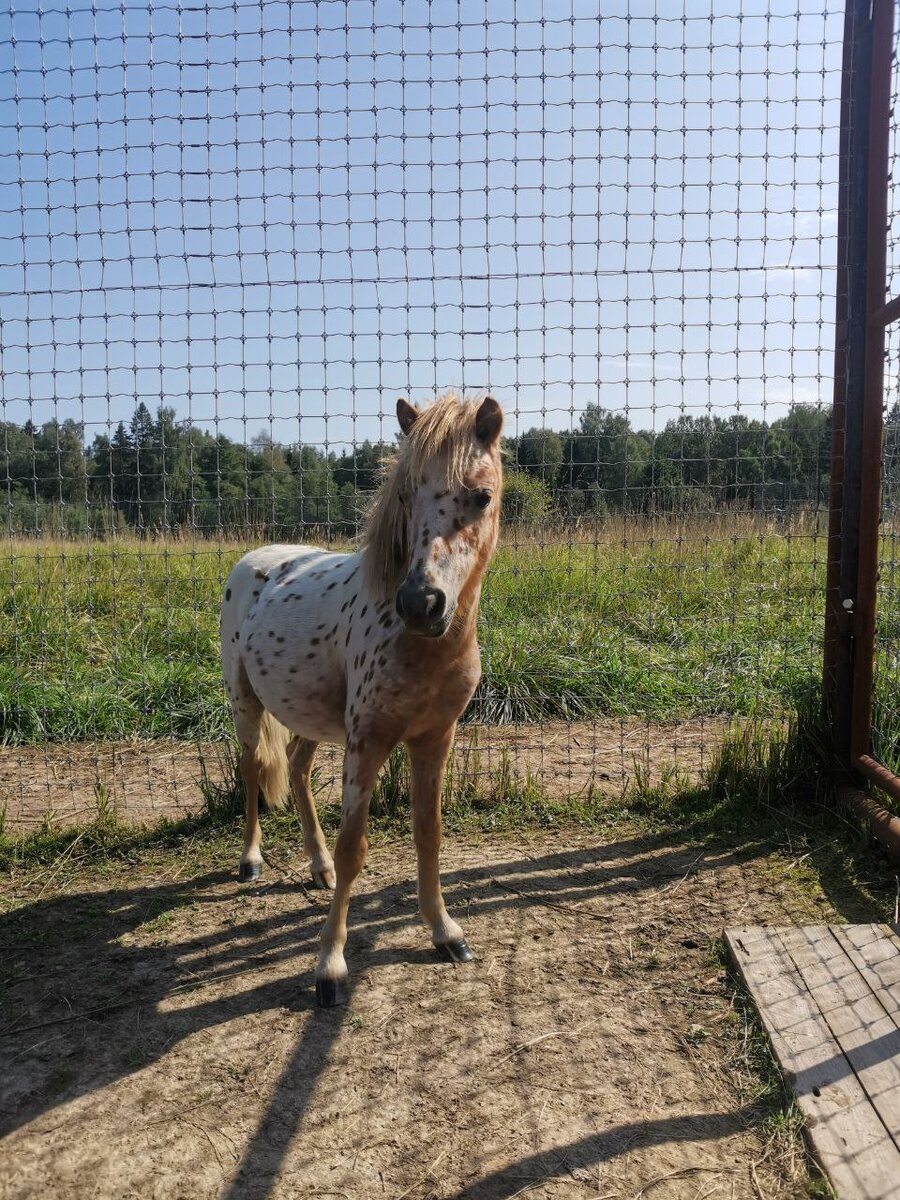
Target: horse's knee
427, 837
249, 762
350, 852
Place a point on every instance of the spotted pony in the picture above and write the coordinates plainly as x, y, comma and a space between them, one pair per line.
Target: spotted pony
369, 650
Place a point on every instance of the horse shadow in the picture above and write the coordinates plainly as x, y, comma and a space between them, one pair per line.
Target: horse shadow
76, 970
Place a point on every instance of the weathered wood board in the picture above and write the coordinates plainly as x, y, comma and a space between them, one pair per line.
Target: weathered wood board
829, 997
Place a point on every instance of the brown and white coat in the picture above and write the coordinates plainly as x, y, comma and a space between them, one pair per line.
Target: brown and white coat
369, 650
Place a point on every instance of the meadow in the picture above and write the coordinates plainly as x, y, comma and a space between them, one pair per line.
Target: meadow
632, 616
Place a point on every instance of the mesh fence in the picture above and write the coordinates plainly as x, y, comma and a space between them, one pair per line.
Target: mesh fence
232, 234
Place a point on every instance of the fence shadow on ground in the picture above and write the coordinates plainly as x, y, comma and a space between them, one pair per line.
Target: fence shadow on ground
75, 976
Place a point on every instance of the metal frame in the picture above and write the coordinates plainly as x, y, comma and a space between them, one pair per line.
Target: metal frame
862, 315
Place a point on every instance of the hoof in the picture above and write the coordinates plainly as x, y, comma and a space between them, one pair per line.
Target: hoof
324, 880
457, 951
249, 871
330, 993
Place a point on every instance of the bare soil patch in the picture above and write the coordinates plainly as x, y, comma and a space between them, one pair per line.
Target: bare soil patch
158, 1039
148, 780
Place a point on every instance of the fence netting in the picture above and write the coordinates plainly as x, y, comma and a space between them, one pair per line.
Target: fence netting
231, 235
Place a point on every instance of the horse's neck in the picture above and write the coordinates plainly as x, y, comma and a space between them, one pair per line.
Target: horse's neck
469, 599
469, 607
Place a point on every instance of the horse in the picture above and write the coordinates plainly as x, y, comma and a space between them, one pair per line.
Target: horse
369, 649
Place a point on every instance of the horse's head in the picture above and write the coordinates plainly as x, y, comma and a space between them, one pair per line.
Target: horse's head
441, 502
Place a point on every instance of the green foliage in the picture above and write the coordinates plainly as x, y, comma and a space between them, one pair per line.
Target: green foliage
161, 473
525, 499
390, 797
541, 453
605, 456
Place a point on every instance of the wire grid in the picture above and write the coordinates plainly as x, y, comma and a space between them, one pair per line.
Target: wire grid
885, 702
232, 234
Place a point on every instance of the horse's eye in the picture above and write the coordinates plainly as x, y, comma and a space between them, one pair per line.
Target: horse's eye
482, 499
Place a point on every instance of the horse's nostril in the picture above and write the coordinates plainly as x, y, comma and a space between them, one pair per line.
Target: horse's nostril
437, 603
419, 606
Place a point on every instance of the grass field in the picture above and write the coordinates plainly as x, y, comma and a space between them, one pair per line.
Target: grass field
720, 615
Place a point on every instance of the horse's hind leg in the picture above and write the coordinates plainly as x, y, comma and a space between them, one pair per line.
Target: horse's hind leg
428, 758
248, 713
321, 865
251, 857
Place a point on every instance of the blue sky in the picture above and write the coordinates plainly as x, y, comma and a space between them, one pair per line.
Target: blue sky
281, 216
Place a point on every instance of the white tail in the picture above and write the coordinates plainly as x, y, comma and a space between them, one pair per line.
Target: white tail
272, 761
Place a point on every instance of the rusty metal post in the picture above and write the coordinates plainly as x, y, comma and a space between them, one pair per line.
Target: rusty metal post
848, 349
882, 23
858, 375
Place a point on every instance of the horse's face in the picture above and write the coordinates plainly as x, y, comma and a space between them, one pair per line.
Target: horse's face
451, 528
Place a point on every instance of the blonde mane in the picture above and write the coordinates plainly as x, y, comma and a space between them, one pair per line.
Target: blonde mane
445, 428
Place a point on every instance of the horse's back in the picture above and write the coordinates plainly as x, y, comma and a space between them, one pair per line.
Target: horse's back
248, 575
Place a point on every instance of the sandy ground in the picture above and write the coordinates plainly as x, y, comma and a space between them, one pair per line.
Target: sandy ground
158, 1038
146, 781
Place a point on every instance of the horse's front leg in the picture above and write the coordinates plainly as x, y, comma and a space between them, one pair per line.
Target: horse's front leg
362, 762
428, 758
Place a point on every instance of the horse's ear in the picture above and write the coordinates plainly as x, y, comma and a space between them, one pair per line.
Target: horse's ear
407, 415
488, 421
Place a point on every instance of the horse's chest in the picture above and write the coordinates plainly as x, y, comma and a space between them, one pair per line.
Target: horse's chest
434, 693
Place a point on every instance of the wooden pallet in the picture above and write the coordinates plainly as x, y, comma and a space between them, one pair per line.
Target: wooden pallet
829, 997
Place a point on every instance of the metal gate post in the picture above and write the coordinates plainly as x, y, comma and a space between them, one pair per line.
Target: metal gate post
858, 376
882, 26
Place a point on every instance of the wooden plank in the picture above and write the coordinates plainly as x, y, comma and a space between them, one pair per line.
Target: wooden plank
866, 1034
875, 952
847, 1135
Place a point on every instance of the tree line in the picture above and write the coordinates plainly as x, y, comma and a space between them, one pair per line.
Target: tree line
158, 472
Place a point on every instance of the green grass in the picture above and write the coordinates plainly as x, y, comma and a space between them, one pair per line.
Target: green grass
117, 639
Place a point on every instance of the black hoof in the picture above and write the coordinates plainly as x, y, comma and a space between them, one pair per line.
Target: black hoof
249, 872
457, 951
330, 993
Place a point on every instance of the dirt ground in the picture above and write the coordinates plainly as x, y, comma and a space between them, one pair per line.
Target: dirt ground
158, 1037
148, 780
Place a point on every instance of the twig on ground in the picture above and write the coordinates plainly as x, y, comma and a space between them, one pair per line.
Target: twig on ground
677, 1174
413, 1186
205, 1132
118, 1005
73, 1016
542, 1038
289, 873
181, 1113
754, 1179
675, 886
569, 909
61, 862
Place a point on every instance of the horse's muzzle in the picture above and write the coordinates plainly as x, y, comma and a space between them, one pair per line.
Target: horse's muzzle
423, 610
